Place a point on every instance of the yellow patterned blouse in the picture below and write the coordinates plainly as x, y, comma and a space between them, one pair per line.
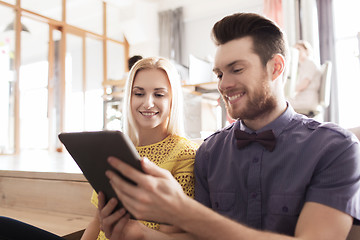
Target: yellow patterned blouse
174, 153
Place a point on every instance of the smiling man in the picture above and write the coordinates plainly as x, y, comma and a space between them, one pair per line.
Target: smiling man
273, 174
273, 169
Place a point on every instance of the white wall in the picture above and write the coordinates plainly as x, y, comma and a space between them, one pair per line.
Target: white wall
199, 17
142, 30
199, 20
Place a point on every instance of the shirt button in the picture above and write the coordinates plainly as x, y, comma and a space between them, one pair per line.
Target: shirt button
285, 209
216, 205
255, 160
254, 195
312, 125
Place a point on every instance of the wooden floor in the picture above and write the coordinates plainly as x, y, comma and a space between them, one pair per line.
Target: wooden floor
46, 190
58, 223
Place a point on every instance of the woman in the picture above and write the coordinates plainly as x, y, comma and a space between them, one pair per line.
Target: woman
308, 81
153, 119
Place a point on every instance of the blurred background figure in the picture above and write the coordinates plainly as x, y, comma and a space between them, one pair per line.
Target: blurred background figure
133, 60
306, 95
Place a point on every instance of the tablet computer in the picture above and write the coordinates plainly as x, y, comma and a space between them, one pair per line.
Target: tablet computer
90, 151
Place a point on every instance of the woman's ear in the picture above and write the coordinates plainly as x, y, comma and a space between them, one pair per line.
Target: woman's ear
278, 66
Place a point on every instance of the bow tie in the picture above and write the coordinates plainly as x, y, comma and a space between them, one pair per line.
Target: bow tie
266, 138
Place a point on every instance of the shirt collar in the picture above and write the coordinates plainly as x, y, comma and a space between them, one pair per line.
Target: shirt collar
278, 125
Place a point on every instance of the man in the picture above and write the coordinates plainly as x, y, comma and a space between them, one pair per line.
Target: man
274, 174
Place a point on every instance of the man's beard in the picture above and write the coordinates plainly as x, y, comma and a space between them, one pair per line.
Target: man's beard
259, 104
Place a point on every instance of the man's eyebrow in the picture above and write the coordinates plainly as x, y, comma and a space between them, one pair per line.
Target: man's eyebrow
229, 65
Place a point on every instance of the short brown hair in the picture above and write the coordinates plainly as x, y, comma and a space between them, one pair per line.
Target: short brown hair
268, 39
133, 60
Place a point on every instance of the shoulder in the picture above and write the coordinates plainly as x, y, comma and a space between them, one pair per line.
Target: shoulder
322, 134
310, 63
183, 143
332, 129
338, 135
326, 128
220, 133
335, 129
218, 138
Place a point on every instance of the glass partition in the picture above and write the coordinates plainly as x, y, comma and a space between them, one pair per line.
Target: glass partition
117, 20
51, 9
33, 85
115, 60
55, 91
85, 14
48, 90
10, 1
7, 84
94, 90
74, 96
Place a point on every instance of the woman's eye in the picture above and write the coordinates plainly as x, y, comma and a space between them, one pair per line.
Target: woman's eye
138, 94
159, 94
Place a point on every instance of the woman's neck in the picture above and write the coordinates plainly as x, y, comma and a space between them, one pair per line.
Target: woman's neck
148, 137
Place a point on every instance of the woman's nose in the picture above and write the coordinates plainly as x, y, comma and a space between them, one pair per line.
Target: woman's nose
149, 102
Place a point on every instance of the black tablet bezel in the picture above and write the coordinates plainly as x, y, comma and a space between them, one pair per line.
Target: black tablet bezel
90, 150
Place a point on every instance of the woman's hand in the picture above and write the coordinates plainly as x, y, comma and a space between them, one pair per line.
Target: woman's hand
117, 225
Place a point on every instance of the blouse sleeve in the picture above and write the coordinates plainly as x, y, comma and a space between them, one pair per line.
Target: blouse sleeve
185, 176
183, 170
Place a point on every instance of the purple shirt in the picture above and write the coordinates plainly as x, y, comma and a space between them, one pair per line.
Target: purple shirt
267, 190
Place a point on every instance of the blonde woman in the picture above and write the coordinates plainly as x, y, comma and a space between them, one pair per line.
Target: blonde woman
153, 119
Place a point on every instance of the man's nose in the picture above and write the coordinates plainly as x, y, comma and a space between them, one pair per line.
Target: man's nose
226, 82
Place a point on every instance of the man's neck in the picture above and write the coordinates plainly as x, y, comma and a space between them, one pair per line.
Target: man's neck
266, 118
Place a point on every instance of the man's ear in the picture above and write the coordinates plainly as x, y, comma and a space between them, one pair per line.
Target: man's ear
278, 66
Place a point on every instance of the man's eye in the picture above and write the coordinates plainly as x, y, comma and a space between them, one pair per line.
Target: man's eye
238, 70
219, 76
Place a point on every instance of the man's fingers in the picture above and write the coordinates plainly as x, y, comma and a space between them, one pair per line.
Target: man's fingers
154, 170
126, 170
121, 186
135, 175
128, 193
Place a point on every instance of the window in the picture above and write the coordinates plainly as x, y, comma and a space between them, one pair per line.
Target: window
7, 83
53, 70
346, 15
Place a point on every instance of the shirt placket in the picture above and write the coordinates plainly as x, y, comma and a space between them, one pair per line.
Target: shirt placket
254, 191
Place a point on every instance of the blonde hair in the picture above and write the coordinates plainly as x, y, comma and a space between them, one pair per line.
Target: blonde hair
176, 121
